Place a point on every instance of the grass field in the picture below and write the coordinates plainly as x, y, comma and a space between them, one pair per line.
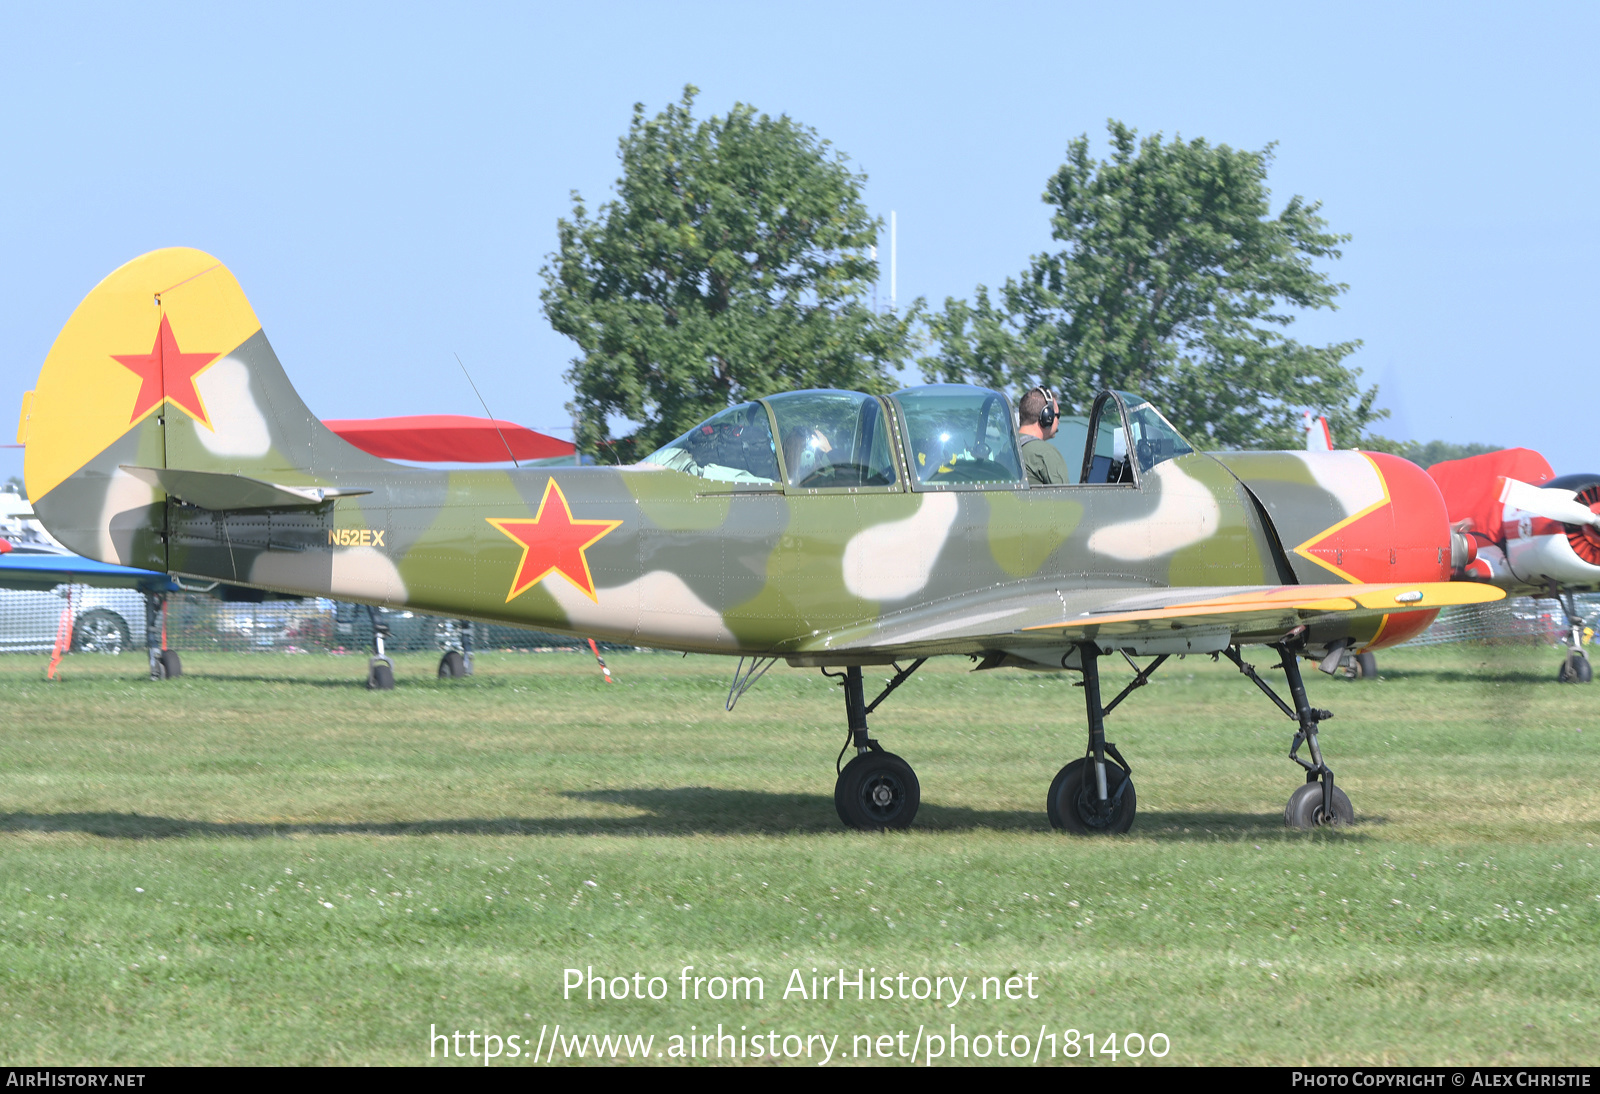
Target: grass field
262, 862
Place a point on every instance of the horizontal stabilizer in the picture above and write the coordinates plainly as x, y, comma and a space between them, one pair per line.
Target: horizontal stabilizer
40, 571
217, 490
1549, 503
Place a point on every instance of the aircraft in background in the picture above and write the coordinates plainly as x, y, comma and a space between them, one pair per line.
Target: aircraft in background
1534, 533
827, 529
1517, 526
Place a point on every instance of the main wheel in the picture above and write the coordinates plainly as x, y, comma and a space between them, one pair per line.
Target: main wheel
1305, 808
1366, 666
452, 665
1073, 798
100, 631
380, 677
171, 666
877, 790
1575, 670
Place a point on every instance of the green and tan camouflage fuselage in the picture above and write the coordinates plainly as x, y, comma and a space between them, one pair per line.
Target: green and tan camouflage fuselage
197, 458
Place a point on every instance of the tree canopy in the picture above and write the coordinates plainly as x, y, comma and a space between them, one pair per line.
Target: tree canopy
1428, 453
734, 262
1174, 281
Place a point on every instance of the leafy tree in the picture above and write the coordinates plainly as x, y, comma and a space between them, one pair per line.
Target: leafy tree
1426, 454
734, 262
1175, 282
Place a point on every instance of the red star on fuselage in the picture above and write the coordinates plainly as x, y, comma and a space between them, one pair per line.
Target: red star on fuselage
167, 375
553, 544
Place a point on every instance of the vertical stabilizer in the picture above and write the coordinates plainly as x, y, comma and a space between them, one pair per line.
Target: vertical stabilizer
163, 365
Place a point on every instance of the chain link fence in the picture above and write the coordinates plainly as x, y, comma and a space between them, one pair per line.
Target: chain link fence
1519, 621
110, 620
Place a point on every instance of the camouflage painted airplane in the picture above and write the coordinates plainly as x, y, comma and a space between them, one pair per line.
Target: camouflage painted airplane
828, 529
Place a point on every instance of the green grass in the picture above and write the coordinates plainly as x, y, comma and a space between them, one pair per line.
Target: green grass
262, 862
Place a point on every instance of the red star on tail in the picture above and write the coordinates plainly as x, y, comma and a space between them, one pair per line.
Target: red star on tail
167, 375
553, 544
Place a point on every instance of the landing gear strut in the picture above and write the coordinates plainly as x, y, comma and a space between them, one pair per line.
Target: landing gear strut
380, 669
1090, 796
456, 661
164, 663
1575, 668
1319, 802
877, 790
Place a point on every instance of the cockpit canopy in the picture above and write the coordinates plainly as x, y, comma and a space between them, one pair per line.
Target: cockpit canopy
830, 439
959, 434
955, 436
1103, 439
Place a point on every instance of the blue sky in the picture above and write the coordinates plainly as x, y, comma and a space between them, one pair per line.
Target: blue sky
385, 180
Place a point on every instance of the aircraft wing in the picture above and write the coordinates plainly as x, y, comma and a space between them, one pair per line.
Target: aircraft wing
1183, 620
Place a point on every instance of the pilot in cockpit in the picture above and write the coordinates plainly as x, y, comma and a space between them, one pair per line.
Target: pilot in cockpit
1038, 415
805, 454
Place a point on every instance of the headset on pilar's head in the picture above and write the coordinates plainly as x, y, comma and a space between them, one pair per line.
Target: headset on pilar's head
1047, 413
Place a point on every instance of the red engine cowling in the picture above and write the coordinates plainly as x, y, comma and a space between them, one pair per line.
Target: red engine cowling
1411, 533
1358, 517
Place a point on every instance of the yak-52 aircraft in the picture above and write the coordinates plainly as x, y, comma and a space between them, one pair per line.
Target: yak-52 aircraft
828, 529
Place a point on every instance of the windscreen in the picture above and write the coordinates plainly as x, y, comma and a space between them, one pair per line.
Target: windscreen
959, 434
832, 439
1154, 439
734, 446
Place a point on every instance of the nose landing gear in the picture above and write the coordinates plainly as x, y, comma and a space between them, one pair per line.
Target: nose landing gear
1319, 802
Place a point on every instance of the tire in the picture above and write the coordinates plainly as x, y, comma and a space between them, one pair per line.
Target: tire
452, 665
877, 791
1071, 808
100, 631
1575, 671
1366, 666
380, 677
1305, 808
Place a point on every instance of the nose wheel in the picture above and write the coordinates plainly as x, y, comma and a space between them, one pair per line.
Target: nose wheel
1306, 808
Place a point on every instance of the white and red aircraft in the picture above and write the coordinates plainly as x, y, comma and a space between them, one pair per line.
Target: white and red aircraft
1535, 534
1518, 527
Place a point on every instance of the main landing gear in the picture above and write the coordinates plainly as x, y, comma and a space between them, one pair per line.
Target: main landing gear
1090, 796
456, 661
877, 790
